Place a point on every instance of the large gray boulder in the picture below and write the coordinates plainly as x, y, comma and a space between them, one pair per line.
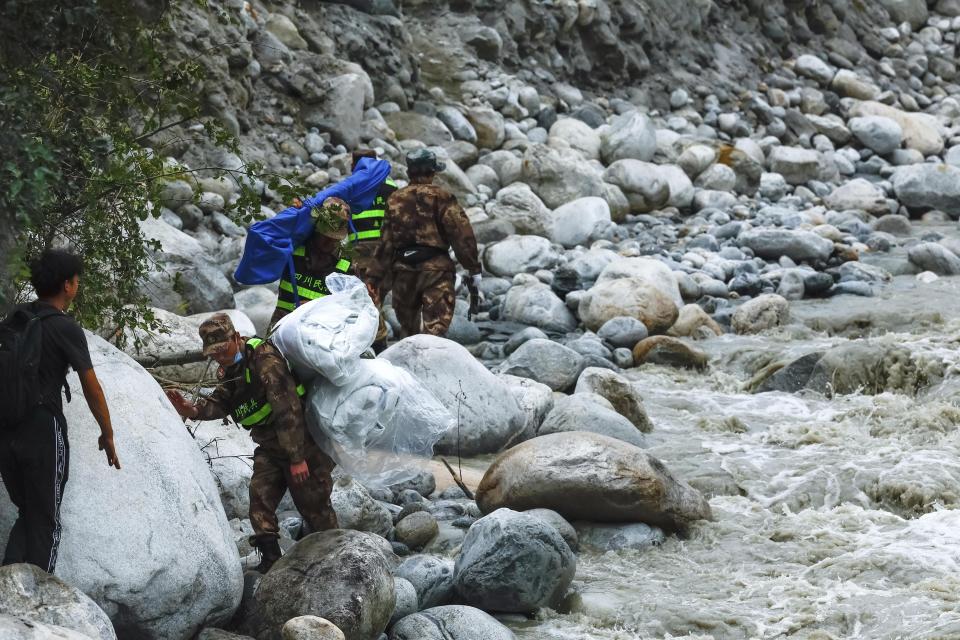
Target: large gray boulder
798, 245
14, 628
513, 562
921, 131
642, 183
537, 305
581, 412
796, 165
763, 312
653, 271
559, 176
629, 136
340, 575
577, 223
356, 509
520, 254
535, 398
625, 395
545, 361
431, 577
859, 194
634, 297
454, 622
164, 591
585, 476
570, 133
410, 125
31, 594
490, 417
929, 186
878, 133
914, 12
521, 207
930, 256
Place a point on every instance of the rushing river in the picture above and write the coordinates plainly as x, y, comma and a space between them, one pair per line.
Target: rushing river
833, 517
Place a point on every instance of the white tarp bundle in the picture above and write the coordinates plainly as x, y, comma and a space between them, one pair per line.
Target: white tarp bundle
327, 335
380, 426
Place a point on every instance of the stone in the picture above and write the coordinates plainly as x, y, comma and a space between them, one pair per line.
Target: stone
538, 306
696, 159
558, 522
407, 601
489, 125
633, 297
559, 176
33, 595
814, 68
761, 313
285, 31
580, 412
642, 183
669, 351
489, 415
629, 136
619, 204
580, 221
457, 123
311, 628
718, 177
913, 12
617, 537
507, 164
513, 562
13, 628
623, 331
417, 530
575, 134
545, 361
410, 125
357, 510
585, 476
536, 400
858, 194
921, 131
175, 194
624, 396
520, 254
327, 574
796, 165
521, 207
694, 322
929, 186
880, 134
798, 245
257, 304
653, 271
220, 634
850, 84
432, 577
930, 256
149, 591
483, 176
454, 622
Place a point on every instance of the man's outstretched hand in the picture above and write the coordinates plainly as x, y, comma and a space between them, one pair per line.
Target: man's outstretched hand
105, 443
184, 407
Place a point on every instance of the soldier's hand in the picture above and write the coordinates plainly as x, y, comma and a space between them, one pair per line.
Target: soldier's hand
184, 407
105, 443
299, 472
374, 294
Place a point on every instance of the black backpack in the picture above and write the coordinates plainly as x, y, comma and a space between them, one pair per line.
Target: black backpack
21, 346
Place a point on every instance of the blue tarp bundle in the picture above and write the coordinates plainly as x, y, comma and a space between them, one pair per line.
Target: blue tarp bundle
268, 252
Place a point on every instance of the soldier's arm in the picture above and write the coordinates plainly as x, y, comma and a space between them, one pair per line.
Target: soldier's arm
280, 388
459, 233
383, 255
214, 406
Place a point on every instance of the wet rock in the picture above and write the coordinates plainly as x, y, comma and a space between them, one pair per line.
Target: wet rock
357, 510
454, 622
625, 396
764, 312
921, 131
866, 368
521, 207
513, 562
616, 537
558, 522
878, 133
630, 136
559, 176
633, 297
623, 331
520, 254
545, 361
585, 476
536, 400
165, 591
417, 530
524, 335
539, 306
326, 574
798, 245
578, 222
669, 351
581, 413
859, 194
694, 322
894, 223
432, 577
797, 166
407, 600
32, 595
930, 256
929, 186
489, 416
311, 628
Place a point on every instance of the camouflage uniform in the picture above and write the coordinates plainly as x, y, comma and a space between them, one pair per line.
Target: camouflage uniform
426, 216
281, 440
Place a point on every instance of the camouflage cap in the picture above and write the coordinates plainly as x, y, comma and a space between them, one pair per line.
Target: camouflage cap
423, 162
334, 223
217, 332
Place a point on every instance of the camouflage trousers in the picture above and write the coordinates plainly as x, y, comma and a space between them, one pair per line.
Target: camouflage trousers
362, 261
271, 479
430, 294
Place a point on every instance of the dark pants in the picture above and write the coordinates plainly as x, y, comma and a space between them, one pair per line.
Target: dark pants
34, 461
430, 295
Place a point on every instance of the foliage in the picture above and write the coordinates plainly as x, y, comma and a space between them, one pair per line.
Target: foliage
84, 89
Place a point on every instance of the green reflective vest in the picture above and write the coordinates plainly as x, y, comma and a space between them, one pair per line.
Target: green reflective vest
369, 223
250, 406
308, 287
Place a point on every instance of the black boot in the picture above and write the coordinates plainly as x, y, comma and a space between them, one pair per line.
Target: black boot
380, 346
269, 554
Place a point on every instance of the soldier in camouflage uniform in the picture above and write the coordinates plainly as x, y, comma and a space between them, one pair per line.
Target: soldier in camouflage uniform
258, 390
423, 222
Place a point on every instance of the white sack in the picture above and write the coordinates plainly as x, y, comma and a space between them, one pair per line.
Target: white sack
381, 426
327, 335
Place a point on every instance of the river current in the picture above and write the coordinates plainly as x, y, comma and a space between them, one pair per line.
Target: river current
834, 517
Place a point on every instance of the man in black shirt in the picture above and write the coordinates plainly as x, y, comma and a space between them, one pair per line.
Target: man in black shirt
34, 455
